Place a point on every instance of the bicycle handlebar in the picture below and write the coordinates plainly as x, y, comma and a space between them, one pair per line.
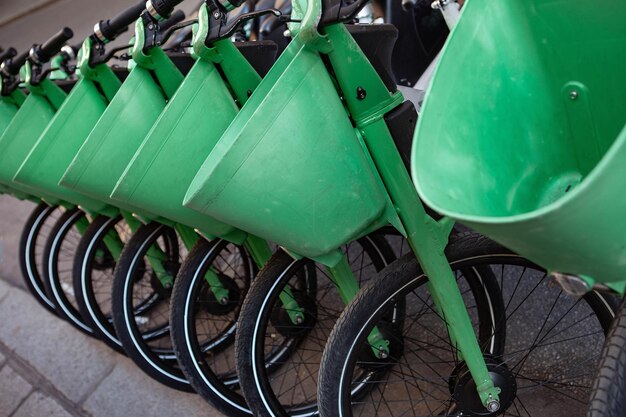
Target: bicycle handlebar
8, 54
13, 66
107, 30
161, 8
52, 46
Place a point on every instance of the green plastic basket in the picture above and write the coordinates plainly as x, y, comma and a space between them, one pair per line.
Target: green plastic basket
175, 148
522, 133
291, 168
49, 158
118, 134
8, 109
22, 133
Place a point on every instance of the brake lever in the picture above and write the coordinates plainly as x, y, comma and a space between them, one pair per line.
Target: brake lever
165, 36
219, 31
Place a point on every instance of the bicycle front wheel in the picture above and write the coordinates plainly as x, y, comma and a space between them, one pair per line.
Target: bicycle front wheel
277, 358
93, 271
32, 241
545, 367
58, 258
141, 301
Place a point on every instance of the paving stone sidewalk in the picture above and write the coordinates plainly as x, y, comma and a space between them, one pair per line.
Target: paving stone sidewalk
47, 368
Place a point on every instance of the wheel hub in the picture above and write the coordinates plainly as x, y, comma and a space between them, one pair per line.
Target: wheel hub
463, 389
372, 362
103, 259
282, 321
222, 307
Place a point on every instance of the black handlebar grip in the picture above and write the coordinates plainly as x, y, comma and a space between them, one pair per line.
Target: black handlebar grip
113, 27
53, 45
8, 54
13, 66
162, 8
174, 19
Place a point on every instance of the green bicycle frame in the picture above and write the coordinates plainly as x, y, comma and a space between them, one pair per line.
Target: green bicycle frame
297, 122
426, 236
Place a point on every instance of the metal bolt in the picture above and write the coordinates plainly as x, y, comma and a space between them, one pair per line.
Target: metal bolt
217, 15
361, 93
493, 405
383, 353
299, 319
223, 301
573, 95
151, 26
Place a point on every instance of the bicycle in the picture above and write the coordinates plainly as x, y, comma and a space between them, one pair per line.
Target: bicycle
136, 186
27, 124
37, 226
142, 329
352, 167
159, 161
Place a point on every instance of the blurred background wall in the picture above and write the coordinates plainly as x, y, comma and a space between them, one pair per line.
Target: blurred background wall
24, 22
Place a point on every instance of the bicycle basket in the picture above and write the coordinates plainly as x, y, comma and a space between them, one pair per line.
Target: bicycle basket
7, 111
175, 148
114, 140
522, 134
290, 168
51, 155
20, 136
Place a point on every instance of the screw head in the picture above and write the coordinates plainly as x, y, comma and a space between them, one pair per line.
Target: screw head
383, 353
573, 95
223, 301
299, 319
493, 406
217, 15
361, 93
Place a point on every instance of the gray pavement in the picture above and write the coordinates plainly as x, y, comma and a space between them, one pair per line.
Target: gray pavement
47, 368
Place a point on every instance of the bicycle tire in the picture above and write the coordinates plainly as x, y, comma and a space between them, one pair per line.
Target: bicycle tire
608, 398
268, 391
131, 273
58, 256
206, 354
30, 262
467, 251
91, 304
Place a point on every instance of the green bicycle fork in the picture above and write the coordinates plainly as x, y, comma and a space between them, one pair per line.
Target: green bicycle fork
426, 236
348, 287
260, 252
